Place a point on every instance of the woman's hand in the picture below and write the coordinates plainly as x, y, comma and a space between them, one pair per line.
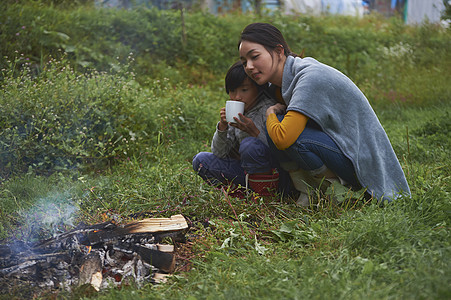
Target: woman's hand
223, 124
246, 124
276, 109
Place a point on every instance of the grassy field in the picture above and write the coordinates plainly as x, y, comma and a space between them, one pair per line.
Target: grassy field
99, 140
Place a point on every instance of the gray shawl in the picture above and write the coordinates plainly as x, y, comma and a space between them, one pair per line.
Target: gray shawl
331, 99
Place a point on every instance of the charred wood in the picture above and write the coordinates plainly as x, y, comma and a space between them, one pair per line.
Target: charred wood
100, 255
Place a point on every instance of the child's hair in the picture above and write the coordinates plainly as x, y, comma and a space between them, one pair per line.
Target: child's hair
235, 77
266, 35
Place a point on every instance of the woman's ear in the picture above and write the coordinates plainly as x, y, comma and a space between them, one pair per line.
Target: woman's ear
280, 50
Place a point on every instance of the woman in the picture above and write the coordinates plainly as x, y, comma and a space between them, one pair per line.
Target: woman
329, 131
240, 154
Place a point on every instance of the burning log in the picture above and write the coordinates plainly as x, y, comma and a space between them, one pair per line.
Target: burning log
91, 271
101, 255
163, 226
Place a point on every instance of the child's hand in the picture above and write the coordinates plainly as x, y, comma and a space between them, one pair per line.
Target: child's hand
223, 124
247, 125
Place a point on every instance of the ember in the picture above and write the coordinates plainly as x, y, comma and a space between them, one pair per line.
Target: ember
103, 255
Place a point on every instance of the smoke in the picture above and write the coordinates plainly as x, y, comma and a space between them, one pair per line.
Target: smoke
49, 216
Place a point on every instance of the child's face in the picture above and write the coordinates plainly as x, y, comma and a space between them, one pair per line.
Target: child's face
247, 92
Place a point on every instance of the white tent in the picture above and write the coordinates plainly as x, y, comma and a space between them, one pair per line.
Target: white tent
312, 7
316, 7
420, 10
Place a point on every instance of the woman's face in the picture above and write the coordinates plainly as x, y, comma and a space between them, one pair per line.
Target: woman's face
260, 65
247, 92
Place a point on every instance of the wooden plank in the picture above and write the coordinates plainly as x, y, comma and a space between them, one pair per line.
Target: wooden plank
174, 223
165, 248
157, 226
160, 278
161, 260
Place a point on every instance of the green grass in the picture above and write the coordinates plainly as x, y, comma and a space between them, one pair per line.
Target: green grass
136, 158
401, 251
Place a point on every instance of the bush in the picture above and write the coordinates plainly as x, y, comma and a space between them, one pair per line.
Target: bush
389, 60
62, 120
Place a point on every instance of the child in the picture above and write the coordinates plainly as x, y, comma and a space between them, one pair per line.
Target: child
240, 154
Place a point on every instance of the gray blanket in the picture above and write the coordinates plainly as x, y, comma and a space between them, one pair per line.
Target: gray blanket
332, 100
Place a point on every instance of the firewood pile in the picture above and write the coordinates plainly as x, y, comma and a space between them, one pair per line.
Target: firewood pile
101, 255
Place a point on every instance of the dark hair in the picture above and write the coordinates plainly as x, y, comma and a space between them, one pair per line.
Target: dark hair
235, 77
266, 35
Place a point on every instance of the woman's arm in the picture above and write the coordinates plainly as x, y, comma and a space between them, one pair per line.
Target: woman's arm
285, 133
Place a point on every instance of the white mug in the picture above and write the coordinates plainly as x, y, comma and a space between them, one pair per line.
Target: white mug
233, 108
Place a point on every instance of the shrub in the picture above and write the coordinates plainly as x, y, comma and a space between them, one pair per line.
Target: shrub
389, 60
61, 120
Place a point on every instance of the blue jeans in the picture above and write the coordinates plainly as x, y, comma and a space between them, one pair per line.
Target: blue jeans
315, 151
255, 157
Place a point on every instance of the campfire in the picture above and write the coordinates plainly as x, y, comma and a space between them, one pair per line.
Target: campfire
102, 255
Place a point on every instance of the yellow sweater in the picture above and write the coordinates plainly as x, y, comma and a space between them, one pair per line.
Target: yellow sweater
285, 133
281, 136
